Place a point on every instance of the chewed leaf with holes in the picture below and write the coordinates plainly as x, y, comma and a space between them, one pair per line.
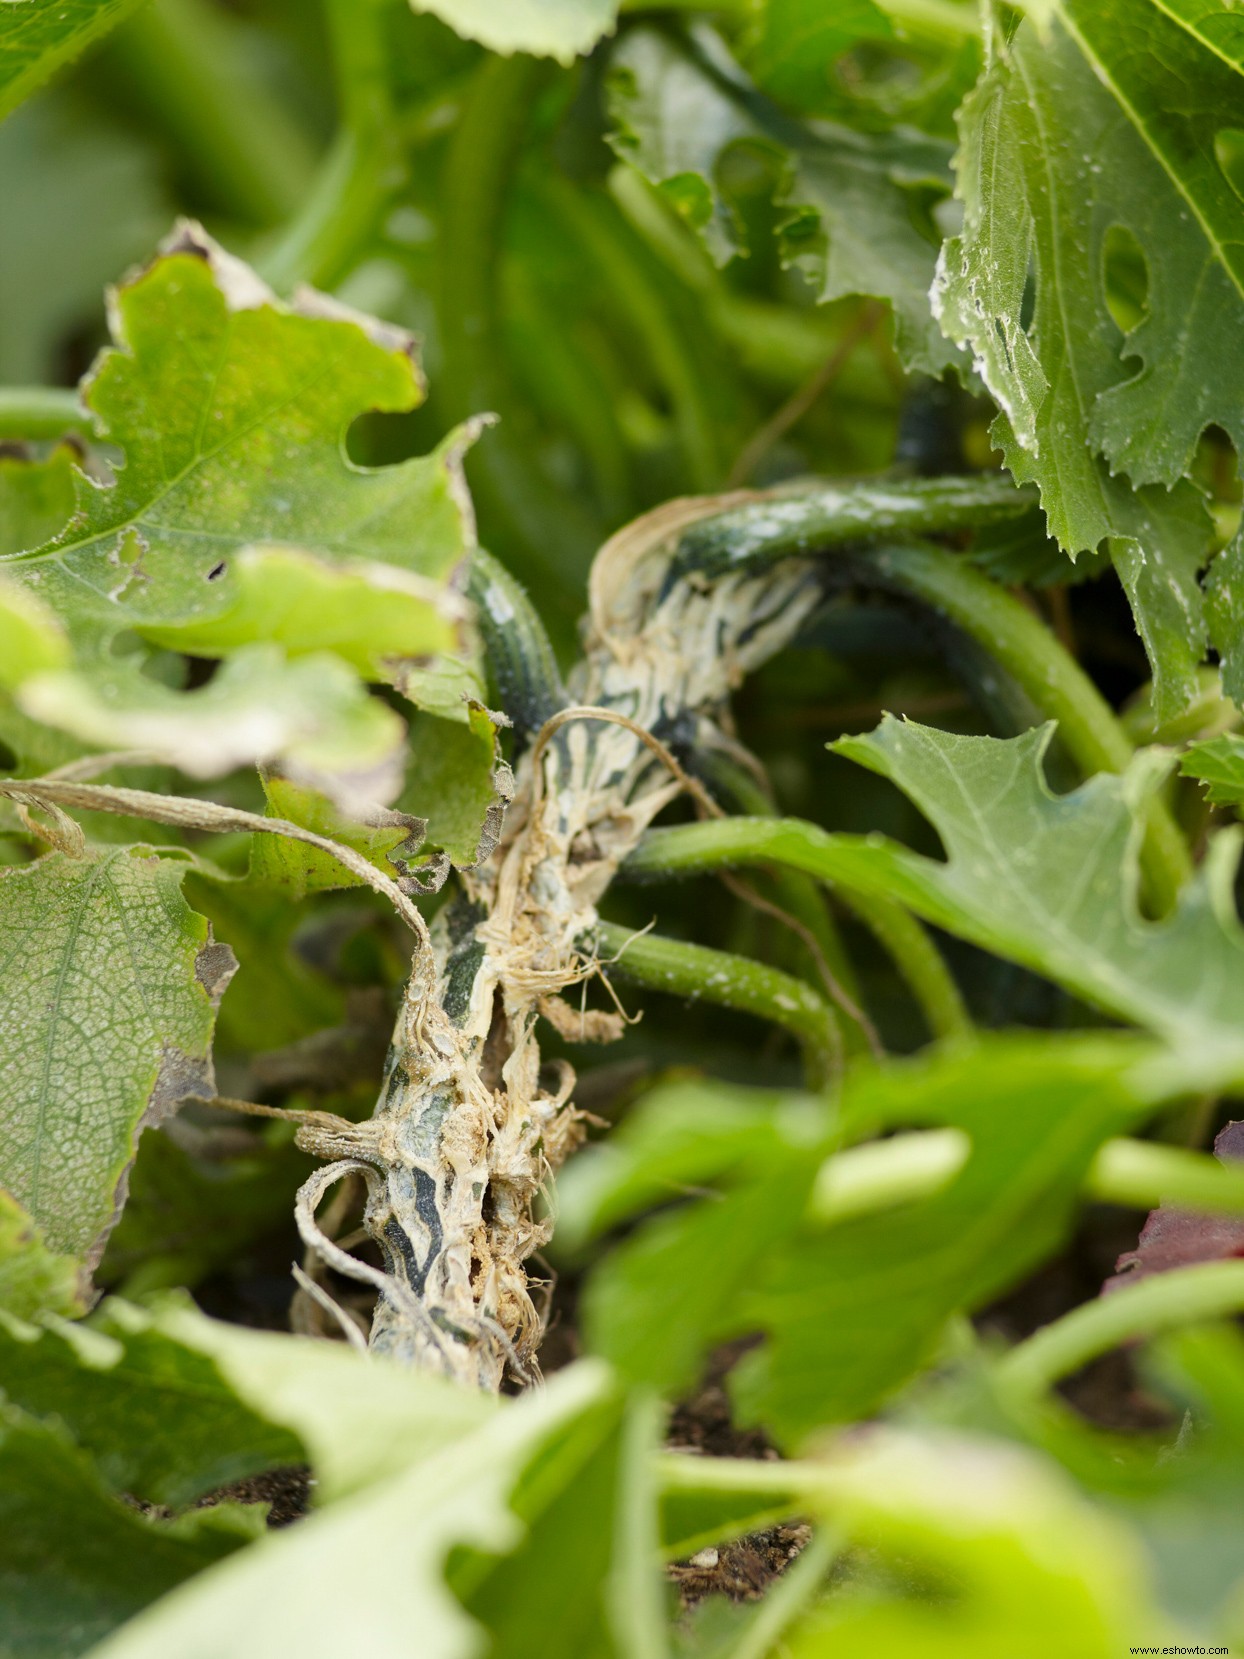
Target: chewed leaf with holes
313, 713
851, 219
108, 985
1050, 881
1100, 137
232, 412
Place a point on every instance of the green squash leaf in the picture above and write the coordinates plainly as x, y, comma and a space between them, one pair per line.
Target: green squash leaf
38, 36
154, 1414
852, 1310
1219, 763
76, 1562
561, 29
1086, 140
850, 218
109, 982
232, 412
312, 714
398, 1531
1050, 881
36, 497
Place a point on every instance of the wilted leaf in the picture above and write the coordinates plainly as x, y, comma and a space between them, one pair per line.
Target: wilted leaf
1084, 142
849, 216
108, 988
38, 36
559, 29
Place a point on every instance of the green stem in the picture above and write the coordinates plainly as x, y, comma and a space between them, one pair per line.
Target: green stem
700, 974
364, 165
800, 895
192, 70
844, 522
879, 1174
721, 843
1162, 1302
40, 412
917, 959
1144, 1174
555, 536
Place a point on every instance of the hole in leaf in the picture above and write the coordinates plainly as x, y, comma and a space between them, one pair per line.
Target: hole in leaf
217, 571
382, 438
1125, 277
1229, 149
1215, 468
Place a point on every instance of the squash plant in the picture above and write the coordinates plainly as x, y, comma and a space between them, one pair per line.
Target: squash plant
865, 374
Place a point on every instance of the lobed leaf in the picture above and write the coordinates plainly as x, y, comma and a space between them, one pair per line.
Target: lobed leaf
1050, 881
236, 523
1095, 138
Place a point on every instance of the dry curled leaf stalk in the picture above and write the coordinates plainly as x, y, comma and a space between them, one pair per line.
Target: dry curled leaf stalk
468, 1129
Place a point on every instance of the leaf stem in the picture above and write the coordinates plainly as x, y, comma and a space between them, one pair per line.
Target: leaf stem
878, 1174
191, 69
364, 165
847, 526
1161, 1302
40, 412
700, 974
722, 843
